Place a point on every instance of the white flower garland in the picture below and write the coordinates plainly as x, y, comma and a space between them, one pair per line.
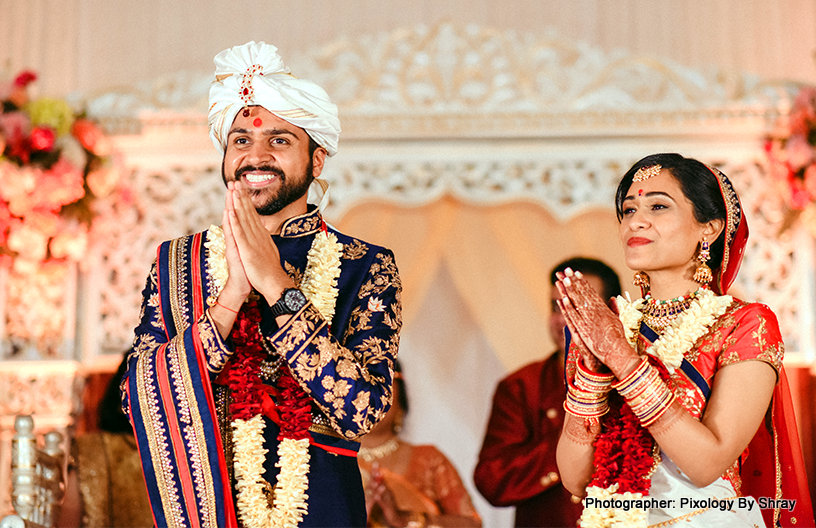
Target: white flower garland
685, 330
319, 285
612, 517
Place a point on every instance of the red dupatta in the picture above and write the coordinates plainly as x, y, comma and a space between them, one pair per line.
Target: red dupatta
774, 467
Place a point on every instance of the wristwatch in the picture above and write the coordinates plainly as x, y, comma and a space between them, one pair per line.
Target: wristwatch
291, 301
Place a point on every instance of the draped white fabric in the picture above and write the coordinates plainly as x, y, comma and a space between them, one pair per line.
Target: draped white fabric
95, 45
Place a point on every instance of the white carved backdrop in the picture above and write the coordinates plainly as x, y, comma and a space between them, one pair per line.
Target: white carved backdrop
484, 116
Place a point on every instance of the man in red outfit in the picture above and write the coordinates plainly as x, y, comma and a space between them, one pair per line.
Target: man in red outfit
517, 462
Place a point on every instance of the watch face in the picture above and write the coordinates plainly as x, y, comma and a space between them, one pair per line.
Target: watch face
294, 299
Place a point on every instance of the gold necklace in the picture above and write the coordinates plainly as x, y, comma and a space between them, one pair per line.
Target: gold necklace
660, 314
370, 454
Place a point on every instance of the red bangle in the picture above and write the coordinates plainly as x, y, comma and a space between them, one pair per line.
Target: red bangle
227, 308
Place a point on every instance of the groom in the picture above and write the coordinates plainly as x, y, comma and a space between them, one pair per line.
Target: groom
265, 346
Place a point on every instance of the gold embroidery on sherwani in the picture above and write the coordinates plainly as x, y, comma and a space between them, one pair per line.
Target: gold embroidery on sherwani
348, 368
361, 405
309, 353
394, 321
359, 320
299, 332
157, 438
173, 278
354, 250
217, 354
373, 349
337, 389
304, 224
293, 272
195, 439
306, 366
383, 274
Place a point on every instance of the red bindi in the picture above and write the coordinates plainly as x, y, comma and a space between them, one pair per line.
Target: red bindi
258, 122
640, 191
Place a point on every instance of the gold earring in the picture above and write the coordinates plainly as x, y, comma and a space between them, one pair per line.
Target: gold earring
396, 426
641, 280
703, 273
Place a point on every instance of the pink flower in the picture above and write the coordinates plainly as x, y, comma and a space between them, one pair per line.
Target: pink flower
26, 241
60, 185
42, 138
17, 187
103, 181
799, 152
45, 222
799, 197
90, 137
810, 179
70, 244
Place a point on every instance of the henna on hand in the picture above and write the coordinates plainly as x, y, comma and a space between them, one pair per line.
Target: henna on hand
592, 322
579, 430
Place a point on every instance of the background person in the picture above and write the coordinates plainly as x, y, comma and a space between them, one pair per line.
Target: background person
407, 484
517, 461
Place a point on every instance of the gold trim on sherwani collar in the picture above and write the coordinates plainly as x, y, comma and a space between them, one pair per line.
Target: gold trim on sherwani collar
302, 225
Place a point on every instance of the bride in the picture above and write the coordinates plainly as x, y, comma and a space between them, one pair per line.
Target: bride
665, 396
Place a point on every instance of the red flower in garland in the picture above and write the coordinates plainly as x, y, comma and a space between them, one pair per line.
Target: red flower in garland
623, 449
243, 376
296, 413
294, 405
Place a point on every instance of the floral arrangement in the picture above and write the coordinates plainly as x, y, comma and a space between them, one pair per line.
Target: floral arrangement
791, 151
54, 163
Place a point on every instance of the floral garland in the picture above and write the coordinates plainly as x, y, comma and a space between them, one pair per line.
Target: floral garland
680, 336
319, 284
624, 451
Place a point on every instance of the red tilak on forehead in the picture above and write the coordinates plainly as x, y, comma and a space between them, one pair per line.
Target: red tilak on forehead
257, 122
640, 191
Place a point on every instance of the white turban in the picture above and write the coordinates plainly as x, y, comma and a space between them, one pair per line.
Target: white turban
254, 74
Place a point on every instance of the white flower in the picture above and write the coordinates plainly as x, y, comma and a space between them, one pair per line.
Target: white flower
612, 517
319, 283
689, 326
375, 305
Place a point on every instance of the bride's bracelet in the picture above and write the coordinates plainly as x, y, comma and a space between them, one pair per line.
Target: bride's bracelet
589, 381
587, 394
647, 395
